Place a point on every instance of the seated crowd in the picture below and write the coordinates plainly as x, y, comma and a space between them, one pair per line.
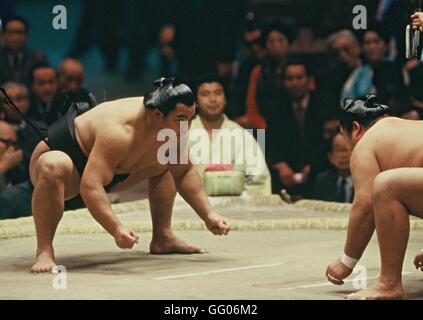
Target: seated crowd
275, 87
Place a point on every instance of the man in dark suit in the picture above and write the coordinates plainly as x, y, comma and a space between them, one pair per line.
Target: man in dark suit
336, 184
16, 59
71, 89
44, 87
294, 129
345, 52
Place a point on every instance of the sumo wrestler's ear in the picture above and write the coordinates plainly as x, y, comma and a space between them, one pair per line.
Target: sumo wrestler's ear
356, 125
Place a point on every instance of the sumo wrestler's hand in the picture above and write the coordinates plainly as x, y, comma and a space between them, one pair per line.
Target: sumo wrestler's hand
125, 237
418, 261
336, 272
217, 224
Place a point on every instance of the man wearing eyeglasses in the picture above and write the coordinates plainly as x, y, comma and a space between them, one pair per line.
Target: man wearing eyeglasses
16, 59
19, 94
27, 140
336, 184
9, 156
345, 53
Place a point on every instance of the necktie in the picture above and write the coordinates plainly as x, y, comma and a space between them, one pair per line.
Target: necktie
15, 63
300, 112
342, 191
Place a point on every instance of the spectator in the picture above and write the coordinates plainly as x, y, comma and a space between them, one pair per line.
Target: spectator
15, 199
211, 98
307, 42
378, 75
336, 184
330, 126
16, 59
26, 138
71, 78
295, 129
10, 157
255, 54
19, 94
168, 63
319, 161
345, 57
44, 87
266, 79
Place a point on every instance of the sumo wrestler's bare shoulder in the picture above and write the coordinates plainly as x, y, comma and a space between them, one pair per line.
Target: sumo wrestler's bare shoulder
120, 104
379, 132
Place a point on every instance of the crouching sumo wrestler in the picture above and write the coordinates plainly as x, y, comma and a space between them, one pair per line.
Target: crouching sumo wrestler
115, 145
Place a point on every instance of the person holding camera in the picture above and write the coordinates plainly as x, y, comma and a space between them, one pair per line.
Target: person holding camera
417, 21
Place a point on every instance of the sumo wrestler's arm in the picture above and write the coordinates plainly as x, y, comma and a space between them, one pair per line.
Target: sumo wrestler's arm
189, 186
364, 168
361, 225
99, 172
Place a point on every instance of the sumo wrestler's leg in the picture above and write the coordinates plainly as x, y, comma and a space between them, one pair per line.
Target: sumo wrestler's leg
55, 179
162, 192
396, 194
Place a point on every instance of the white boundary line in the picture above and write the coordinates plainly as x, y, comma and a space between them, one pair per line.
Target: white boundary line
189, 275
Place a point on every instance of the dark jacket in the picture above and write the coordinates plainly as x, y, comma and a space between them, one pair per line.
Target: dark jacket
283, 137
30, 57
285, 143
326, 187
47, 117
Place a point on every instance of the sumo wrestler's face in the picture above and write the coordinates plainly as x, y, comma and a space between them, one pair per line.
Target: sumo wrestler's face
179, 119
353, 137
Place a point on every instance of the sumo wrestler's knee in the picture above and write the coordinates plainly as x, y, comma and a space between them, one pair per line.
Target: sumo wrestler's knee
384, 187
51, 171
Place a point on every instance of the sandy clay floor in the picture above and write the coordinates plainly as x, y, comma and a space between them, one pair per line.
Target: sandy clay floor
248, 264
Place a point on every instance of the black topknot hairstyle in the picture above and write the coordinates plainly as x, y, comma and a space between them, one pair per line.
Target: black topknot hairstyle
364, 110
169, 92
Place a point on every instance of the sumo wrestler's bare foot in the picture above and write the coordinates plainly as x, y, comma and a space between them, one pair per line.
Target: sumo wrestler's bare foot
379, 291
45, 261
172, 244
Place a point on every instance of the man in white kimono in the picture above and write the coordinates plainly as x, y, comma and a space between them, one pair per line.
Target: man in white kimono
217, 143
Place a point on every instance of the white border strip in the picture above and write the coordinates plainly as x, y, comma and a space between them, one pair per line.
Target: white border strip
189, 275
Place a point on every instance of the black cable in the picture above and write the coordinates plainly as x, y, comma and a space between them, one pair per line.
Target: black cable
11, 104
